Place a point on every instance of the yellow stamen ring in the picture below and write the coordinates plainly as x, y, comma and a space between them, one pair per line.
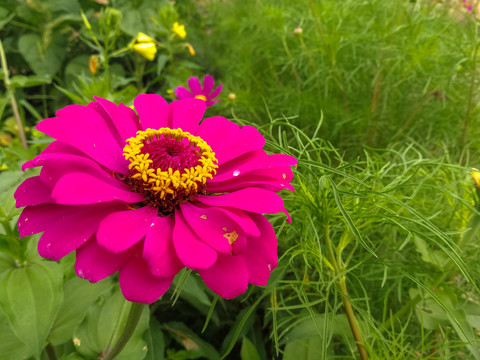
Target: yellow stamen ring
169, 181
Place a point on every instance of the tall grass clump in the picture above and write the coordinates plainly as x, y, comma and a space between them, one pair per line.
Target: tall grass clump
380, 71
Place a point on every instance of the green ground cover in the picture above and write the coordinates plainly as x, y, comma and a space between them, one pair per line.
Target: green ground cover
378, 101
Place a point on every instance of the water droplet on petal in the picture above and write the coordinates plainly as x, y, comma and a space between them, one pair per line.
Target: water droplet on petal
236, 173
270, 267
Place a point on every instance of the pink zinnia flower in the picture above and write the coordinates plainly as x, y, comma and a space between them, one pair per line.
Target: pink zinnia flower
147, 195
197, 91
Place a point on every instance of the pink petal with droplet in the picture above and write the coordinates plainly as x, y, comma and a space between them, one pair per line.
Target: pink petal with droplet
139, 285
245, 164
228, 277
158, 249
68, 232
255, 200
261, 252
123, 229
210, 226
192, 252
94, 262
243, 219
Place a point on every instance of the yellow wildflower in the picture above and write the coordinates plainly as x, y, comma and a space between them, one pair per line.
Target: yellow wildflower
476, 177
179, 30
145, 46
93, 64
191, 50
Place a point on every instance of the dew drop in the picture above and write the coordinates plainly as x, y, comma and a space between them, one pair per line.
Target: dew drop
270, 267
236, 173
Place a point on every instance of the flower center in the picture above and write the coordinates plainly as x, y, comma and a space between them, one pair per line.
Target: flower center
201, 97
169, 166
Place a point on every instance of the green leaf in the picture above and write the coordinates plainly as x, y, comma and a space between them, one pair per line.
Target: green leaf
11, 348
191, 341
107, 318
248, 350
435, 257
79, 295
155, 341
30, 297
44, 59
23, 81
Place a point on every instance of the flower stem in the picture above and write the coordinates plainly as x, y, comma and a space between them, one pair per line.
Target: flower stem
11, 94
133, 317
347, 305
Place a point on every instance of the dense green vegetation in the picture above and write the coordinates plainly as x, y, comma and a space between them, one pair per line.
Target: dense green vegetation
378, 101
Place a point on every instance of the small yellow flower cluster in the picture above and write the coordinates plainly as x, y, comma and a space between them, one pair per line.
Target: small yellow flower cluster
179, 30
145, 46
169, 181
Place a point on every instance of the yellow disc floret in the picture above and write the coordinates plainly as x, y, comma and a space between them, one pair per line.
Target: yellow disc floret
169, 183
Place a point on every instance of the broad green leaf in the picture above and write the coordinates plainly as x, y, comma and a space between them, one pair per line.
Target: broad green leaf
30, 297
435, 257
11, 348
306, 349
190, 340
106, 319
79, 295
155, 341
23, 81
248, 351
44, 59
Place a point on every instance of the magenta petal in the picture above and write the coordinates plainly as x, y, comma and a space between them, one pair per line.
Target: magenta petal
194, 85
32, 192
84, 129
82, 189
248, 181
216, 92
208, 82
158, 249
152, 110
261, 252
69, 232
123, 229
123, 118
243, 219
139, 285
250, 199
56, 165
187, 114
192, 252
228, 277
182, 93
238, 166
94, 263
228, 140
55, 147
210, 226
35, 219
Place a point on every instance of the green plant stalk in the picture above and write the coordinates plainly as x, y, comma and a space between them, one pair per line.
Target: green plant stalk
347, 305
466, 121
11, 94
132, 321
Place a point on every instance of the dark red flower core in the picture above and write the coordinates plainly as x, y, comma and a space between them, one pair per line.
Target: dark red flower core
169, 166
